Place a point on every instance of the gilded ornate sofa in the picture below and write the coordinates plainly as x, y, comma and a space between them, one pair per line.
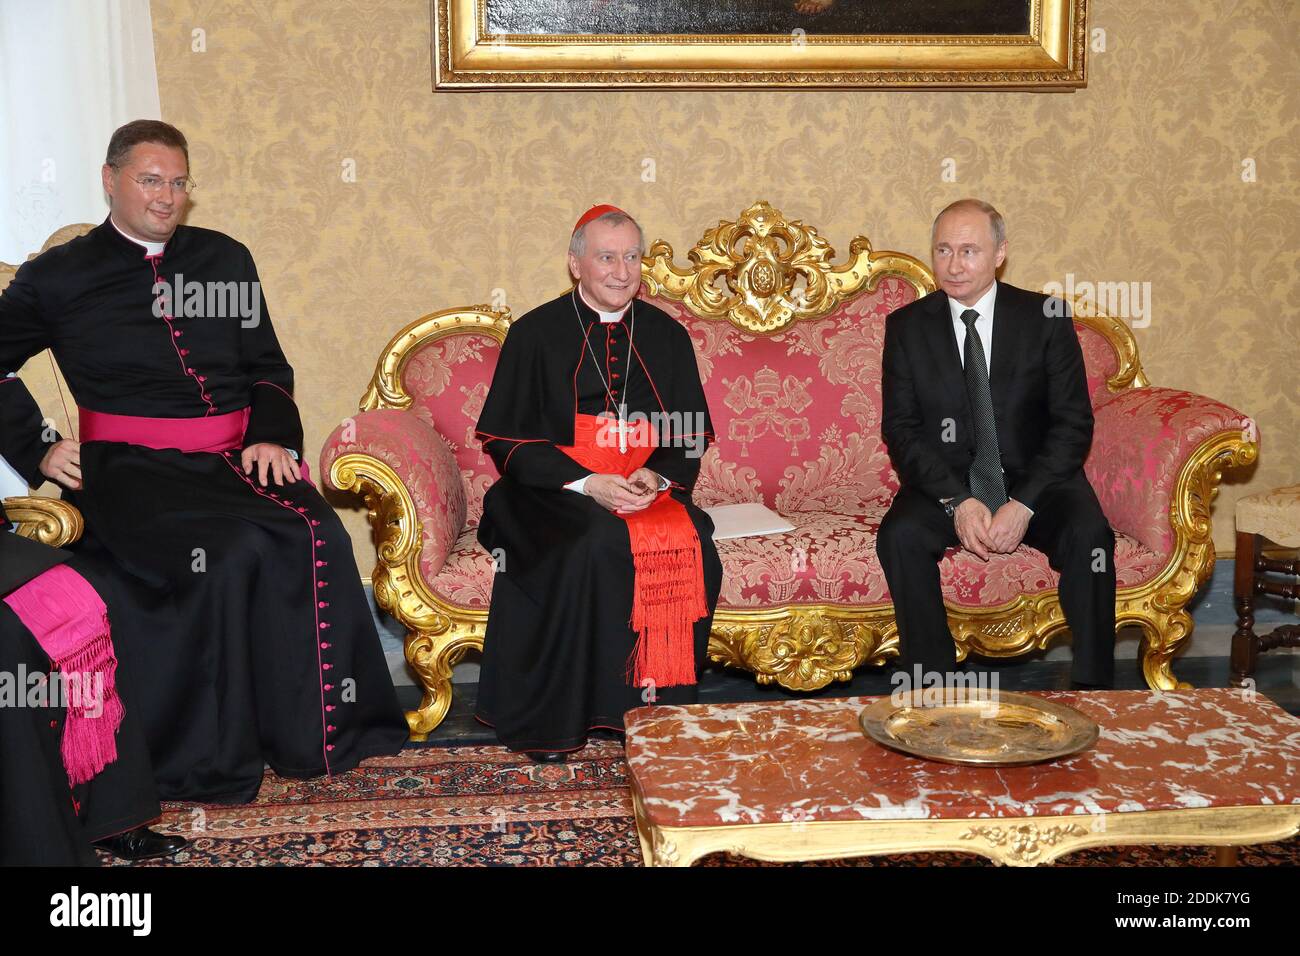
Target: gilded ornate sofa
789, 348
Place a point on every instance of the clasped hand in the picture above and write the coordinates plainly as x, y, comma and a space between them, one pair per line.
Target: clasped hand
983, 533
622, 495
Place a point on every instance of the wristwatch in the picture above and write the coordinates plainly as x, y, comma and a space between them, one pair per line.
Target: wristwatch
950, 505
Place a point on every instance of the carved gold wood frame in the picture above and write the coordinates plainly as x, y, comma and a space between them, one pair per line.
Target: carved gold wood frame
1052, 56
763, 272
1015, 841
438, 632
47, 520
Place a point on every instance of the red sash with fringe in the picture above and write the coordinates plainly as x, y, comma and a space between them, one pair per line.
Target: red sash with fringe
668, 592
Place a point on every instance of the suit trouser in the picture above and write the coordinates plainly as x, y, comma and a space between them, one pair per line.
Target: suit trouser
1067, 526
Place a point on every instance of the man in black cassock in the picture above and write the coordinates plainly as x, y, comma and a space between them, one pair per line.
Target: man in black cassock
44, 819
244, 620
596, 421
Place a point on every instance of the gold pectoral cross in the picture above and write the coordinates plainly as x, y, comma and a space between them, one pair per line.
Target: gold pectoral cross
622, 428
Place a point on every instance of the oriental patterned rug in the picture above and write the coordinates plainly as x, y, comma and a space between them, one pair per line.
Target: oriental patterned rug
483, 806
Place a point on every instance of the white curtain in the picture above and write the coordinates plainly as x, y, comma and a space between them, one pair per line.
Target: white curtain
71, 72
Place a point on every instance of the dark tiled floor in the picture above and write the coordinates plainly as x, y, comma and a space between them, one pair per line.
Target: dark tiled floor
1275, 678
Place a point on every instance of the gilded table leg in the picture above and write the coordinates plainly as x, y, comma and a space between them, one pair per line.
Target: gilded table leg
657, 849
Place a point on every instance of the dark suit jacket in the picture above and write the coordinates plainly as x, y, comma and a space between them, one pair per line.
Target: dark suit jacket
1040, 396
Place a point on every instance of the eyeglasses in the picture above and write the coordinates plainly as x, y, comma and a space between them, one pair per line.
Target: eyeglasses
153, 184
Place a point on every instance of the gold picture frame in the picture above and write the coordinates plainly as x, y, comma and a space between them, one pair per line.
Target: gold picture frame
1051, 56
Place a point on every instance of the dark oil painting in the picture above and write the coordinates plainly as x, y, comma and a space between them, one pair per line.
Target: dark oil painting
731, 17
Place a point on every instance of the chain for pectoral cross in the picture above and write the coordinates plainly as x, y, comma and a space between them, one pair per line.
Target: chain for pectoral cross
627, 366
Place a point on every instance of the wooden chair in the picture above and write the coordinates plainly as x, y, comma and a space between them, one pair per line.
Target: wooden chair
1273, 516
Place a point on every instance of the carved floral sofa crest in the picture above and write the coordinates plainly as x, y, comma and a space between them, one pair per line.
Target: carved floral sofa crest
789, 349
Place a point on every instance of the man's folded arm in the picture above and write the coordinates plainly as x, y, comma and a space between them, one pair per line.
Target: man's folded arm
537, 463
273, 414
679, 463
24, 439
1069, 434
915, 458
680, 453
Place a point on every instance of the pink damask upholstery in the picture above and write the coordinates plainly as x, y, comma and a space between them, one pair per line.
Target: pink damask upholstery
1099, 361
421, 459
797, 414
1140, 440
465, 578
449, 380
830, 558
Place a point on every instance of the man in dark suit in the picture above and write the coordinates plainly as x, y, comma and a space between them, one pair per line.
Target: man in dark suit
988, 423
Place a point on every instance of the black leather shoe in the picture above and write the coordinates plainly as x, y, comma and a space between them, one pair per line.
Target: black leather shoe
142, 844
539, 756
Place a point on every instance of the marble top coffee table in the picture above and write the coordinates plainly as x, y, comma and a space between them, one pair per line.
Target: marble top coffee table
798, 780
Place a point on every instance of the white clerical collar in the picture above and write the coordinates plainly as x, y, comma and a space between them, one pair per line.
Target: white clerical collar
604, 316
984, 306
151, 248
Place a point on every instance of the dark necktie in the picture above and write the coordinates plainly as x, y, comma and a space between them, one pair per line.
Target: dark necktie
986, 482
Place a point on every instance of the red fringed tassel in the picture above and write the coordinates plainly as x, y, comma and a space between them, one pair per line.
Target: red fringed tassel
668, 599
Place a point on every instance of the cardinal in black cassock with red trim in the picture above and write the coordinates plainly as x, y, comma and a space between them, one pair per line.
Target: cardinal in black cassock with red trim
243, 618
607, 576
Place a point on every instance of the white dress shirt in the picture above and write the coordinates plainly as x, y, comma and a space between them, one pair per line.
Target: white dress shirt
983, 325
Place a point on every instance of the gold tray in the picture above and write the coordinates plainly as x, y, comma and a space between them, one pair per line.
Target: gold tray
978, 728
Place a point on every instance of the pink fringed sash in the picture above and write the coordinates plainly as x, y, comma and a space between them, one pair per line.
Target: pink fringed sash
70, 622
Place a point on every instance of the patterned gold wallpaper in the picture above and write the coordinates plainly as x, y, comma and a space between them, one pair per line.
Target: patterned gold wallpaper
1177, 167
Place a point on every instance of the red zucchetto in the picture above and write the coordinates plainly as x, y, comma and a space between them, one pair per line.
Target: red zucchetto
595, 212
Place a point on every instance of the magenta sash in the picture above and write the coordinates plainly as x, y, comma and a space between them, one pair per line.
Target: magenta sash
70, 622
210, 433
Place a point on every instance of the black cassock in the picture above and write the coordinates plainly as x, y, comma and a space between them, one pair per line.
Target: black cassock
44, 821
558, 638
244, 619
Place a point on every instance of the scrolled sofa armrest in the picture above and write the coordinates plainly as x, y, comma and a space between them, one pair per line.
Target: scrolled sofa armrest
1152, 445
413, 486
51, 521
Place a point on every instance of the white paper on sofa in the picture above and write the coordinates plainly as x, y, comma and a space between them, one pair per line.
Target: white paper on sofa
745, 521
